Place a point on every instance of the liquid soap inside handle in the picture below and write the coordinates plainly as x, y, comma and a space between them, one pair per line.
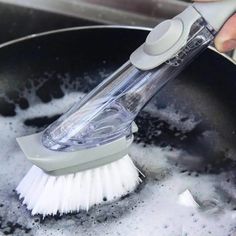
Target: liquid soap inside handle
107, 113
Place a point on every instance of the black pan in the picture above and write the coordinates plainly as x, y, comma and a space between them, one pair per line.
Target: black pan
195, 113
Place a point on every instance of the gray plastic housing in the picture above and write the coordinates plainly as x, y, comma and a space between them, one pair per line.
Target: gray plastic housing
60, 163
172, 40
166, 39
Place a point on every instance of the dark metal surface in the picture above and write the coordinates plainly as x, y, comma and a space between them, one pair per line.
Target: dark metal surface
17, 21
34, 71
141, 13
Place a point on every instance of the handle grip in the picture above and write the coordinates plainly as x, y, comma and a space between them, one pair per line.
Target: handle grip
216, 13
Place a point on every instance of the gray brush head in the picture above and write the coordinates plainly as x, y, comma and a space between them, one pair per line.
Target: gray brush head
61, 163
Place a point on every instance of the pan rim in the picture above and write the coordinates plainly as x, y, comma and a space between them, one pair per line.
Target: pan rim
62, 30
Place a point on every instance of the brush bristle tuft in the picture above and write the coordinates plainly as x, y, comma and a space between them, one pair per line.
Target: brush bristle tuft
49, 195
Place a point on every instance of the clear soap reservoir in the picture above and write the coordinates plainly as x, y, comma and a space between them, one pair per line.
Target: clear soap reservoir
107, 112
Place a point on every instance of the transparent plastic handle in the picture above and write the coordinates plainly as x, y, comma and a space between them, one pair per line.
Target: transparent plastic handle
107, 113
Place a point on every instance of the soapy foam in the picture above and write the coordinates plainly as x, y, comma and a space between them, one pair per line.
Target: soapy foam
153, 209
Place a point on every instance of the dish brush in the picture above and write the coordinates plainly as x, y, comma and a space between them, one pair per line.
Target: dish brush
82, 158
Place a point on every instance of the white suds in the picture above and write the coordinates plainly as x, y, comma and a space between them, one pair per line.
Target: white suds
153, 210
186, 199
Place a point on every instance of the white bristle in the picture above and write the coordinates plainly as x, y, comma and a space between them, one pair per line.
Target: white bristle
48, 195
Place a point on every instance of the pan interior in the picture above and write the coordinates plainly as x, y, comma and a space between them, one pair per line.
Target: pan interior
186, 137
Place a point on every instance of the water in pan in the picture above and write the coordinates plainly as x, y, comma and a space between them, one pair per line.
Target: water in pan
153, 209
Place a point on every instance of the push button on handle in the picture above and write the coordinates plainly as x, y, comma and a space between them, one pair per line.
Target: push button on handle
163, 37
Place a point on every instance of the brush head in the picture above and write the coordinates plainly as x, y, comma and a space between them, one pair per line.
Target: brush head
49, 195
63, 182
62, 163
